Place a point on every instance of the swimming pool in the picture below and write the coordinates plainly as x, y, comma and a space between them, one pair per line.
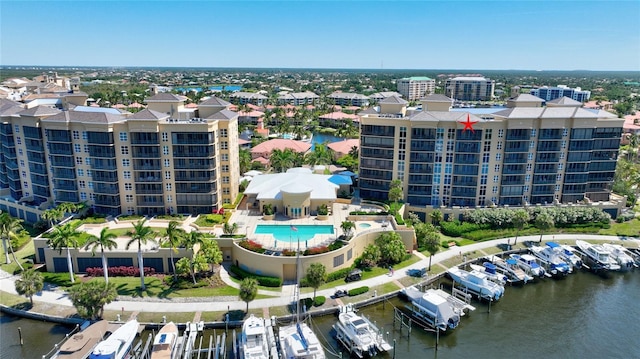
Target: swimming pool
364, 225
288, 233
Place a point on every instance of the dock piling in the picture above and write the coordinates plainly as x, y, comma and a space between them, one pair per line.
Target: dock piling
20, 335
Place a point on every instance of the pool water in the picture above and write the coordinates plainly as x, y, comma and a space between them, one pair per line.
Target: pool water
287, 233
364, 225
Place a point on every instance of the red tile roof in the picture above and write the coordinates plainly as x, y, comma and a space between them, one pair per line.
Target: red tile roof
265, 148
343, 147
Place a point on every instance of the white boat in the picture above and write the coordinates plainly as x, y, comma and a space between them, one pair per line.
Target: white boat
492, 271
566, 253
622, 256
358, 334
477, 283
254, 340
118, 344
435, 307
79, 345
551, 260
529, 264
510, 267
164, 343
598, 255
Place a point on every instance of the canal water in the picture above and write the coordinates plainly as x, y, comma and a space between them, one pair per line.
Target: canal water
580, 316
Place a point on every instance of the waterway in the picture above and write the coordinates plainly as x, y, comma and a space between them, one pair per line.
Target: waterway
322, 138
580, 316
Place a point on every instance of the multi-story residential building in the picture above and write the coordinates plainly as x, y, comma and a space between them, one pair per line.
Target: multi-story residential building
349, 99
417, 87
243, 98
469, 88
552, 93
379, 96
525, 154
164, 159
298, 98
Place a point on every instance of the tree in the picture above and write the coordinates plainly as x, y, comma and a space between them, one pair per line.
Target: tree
519, 220
52, 215
395, 191
211, 253
244, 160
392, 249
370, 256
9, 228
65, 236
106, 240
347, 227
196, 263
321, 155
89, 298
173, 237
141, 235
248, 291
544, 222
229, 228
30, 283
316, 276
436, 217
432, 244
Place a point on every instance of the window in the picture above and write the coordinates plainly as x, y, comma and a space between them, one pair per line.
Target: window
527, 178
223, 132
89, 173
526, 189
224, 145
76, 147
533, 132
124, 137
498, 157
79, 160
169, 198
557, 188
167, 162
83, 196
565, 132
76, 135
20, 152
225, 180
124, 150
82, 184
226, 191
87, 161
24, 174
224, 157
165, 137
558, 177
562, 155
167, 174
560, 166
16, 128
530, 156
496, 179
225, 168
21, 163
84, 135
499, 147
529, 166
500, 133
485, 168
494, 190
126, 174
165, 150
564, 144
86, 148
18, 140
487, 134
92, 196
126, 162
226, 201
90, 185
496, 168
128, 187
130, 210
25, 184
128, 198
80, 172
532, 144
168, 187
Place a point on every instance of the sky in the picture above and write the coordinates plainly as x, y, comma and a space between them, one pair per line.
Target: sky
491, 35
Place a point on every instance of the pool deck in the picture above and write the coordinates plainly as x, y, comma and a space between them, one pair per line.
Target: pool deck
248, 220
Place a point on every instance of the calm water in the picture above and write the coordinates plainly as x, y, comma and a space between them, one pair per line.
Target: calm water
322, 138
581, 316
285, 233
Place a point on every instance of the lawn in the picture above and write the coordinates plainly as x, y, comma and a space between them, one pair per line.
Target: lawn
629, 229
122, 232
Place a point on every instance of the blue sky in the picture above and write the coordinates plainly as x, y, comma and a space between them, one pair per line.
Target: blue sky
532, 35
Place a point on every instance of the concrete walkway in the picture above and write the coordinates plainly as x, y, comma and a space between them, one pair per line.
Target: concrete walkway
222, 304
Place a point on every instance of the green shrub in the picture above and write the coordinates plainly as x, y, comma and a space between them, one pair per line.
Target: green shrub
130, 217
358, 291
339, 274
306, 303
209, 220
94, 220
457, 228
262, 280
320, 300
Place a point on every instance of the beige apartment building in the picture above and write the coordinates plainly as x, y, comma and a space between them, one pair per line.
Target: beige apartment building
416, 87
165, 159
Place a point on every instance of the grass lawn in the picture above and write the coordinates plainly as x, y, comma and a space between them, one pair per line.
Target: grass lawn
276, 291
155, 287
629, 229
26, 252
122, 232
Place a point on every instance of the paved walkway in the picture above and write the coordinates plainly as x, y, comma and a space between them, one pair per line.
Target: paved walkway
219, 304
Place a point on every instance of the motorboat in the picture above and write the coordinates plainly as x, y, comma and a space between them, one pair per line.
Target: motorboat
598, 255
118, 344
551, 260
510, 267
298, 341
164, 343
492, 271
435, 307
529, 264
79, 345
254, 340
477, 283
358, 334
622, 256
566, 253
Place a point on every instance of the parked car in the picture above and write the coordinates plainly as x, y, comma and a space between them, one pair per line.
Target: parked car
354, 275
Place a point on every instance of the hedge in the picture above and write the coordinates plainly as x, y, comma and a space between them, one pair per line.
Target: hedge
120, 271
320, 300
262, 280
358, 291
339, 274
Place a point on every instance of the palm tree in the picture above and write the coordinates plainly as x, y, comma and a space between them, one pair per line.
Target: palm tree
347, 227
52, 215
436, 217
140, 235
30, 283
544, 221
248, 291
106, 240
244, 160
65, 236
229, 228
9, 228
190, 241
175, 234
520, 219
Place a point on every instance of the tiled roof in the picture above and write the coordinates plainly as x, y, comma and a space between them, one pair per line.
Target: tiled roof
8, 107
165, 97
223, 115
281, 144
394, 100
564, 101
215, 101
343, 147
85, 117
147, 114
38, 111
339, 115
525, 97
436, 98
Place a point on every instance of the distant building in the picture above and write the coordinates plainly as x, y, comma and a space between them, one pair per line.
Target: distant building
349, 99
469, 88
243, 98
379, 96
552, 93
417, 87
298, 98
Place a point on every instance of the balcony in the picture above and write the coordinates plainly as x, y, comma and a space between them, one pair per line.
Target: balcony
59, 161
36, 156
106, 200
106, 188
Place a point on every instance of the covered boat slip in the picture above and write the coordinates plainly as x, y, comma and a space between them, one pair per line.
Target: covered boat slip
436, 308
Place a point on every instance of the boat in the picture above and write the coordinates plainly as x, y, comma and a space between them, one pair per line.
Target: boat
551, 260
358, 334
529, 264
476, 283
118, 344
598, 255
510, 267
79, 345
492, 271
255, 339
435, 307
566, 253
297, 340
622, 256
164, 343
